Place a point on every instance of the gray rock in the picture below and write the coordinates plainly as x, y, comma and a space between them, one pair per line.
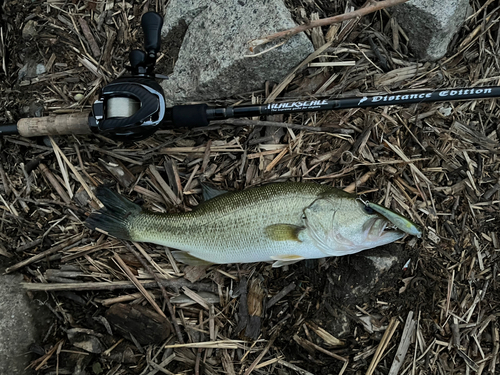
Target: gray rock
40, 69
29, 30
185, 10
339, 325
212, 62
17, 328
31, 69
85, 339
361, 276
35, 109
431, 24
22, 72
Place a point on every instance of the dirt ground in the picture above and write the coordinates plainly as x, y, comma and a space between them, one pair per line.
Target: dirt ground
436, 163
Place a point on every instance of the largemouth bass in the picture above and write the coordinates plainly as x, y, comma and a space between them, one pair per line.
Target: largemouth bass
281, 222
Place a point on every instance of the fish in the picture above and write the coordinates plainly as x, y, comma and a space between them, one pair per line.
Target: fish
281, 223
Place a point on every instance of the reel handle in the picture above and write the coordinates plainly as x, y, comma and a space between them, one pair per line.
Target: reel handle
151, 24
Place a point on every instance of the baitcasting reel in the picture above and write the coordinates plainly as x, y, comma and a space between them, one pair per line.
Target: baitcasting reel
131, 108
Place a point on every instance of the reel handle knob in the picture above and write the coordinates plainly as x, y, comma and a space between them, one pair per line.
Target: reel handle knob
137, 59
151, 25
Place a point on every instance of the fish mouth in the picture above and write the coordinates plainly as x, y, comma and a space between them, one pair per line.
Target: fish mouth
380, 229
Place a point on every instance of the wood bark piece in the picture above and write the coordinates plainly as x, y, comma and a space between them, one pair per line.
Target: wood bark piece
119, 172
144, 324
90, 38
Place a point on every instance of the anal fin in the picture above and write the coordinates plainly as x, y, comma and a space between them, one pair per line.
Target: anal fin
285, 260
186, 258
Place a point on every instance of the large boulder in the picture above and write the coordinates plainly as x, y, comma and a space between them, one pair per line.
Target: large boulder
431, 24
17, 326
213, 61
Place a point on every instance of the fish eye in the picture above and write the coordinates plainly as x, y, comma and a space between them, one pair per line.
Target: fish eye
368, 209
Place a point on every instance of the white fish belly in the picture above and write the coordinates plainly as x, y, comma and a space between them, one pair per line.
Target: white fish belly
258, 250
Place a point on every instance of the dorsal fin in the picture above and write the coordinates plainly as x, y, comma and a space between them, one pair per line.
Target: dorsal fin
210, 192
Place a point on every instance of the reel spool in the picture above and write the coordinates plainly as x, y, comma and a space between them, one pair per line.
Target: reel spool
130, 108
121, 107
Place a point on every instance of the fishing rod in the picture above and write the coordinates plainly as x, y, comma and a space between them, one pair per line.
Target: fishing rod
133, 108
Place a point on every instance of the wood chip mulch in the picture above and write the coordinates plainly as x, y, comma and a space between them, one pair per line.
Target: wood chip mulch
112, 302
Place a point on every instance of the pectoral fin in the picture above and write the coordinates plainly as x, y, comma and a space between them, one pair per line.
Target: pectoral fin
284, 260
186, 258
283, 232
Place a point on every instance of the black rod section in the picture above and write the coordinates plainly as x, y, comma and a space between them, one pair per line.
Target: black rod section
8, 129
360, 102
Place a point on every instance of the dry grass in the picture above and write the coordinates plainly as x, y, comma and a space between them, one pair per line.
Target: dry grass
436, 163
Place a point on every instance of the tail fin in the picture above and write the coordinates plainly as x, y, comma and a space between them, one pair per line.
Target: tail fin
114, 217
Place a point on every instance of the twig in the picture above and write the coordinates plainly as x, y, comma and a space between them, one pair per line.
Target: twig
245, 122
90, 38
301, 371
115, 285
64, 172
77, 174
46, 357
496, 346
55, 184
383, 345
132, 277
5, 182
195, 297
198, 352
262, 353
162, 288
352, 187
309, 344
29, 245
169, 194
404, 344
325, 21
161, 366
223, 344
280, 295
42, 255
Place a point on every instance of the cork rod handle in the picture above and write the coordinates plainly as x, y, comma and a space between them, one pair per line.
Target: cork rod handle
74, 123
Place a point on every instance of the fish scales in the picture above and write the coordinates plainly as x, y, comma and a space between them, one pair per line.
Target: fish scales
231, 228
281, 222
